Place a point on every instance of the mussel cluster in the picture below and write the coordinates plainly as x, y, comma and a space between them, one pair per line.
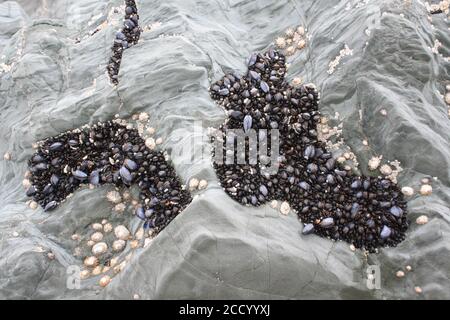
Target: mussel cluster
124, 39
103, 153
368, 212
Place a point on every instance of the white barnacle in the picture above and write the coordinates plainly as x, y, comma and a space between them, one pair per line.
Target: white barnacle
104, 281
91, 261
202, 184
150, 143
99, 248
121, 232
114, 197
426, 190
97, 270
408, 191
193, 184
301, 44
423, 219
134, 244
285, 208
97, 226
84, 274
289, 32
290, 51
118, 245
33, 205
385, 170
97, 236
120, 207
274, 204
297, 81
447, 98
280, 42
143, 117
400, 274
374, 163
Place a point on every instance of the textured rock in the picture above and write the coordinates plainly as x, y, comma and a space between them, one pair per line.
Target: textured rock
59, 84
12, 19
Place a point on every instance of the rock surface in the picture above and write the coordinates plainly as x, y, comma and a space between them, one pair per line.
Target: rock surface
217, 248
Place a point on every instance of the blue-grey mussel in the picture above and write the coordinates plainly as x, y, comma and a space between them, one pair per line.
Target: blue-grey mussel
366, 211
85, 162
127, 37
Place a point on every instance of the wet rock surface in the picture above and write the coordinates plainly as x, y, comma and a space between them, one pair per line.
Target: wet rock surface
13, 18
218, 248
